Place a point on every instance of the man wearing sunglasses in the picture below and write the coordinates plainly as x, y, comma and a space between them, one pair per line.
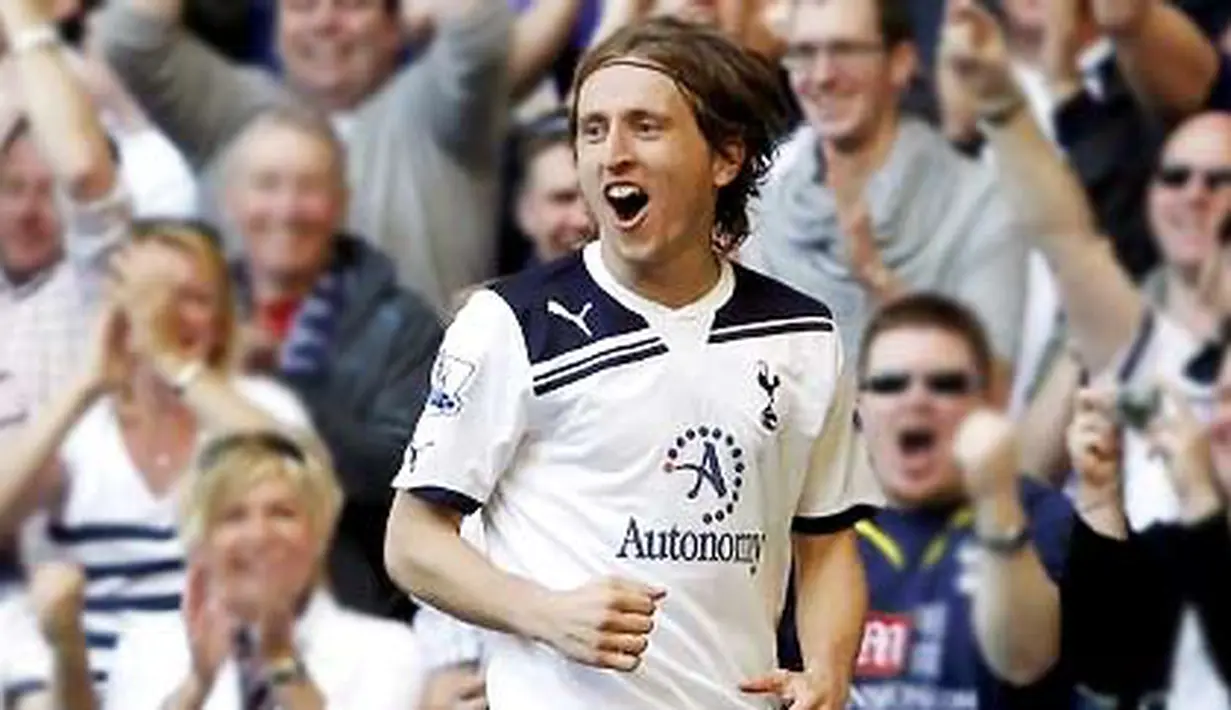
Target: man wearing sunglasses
962, 564
1189, 208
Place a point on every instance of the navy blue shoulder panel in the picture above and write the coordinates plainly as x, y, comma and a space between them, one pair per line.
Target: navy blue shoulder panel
560, 308
758, 299
762, 307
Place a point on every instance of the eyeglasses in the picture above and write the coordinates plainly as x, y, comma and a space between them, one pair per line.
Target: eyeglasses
1177, 176
271, 442
944, 383
800, 58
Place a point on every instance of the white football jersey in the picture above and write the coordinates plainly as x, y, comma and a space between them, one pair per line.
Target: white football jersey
603, 434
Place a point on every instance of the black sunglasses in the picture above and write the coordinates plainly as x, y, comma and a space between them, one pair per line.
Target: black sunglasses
946, 383
1177, 176
269, 441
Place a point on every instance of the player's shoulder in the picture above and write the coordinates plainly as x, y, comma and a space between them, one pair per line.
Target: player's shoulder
762, 306
560, 309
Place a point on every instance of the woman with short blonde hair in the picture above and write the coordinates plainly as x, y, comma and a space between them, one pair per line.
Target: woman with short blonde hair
257, 517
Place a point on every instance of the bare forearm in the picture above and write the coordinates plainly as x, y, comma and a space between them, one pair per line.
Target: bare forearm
26, 468
1104, 308
1181, 84
71, 687
427, 558
539, 35
1016, 606
833, 600
1045, 420
62, 116
220, 408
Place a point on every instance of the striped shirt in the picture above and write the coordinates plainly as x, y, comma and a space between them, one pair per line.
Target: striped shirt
119, 531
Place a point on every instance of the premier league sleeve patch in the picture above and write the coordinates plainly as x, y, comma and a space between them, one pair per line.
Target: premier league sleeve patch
450, 377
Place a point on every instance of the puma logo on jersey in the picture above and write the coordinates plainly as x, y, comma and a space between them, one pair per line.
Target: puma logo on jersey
578, 319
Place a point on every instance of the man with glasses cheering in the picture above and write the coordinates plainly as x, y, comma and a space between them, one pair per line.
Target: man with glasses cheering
865, 203
962, 564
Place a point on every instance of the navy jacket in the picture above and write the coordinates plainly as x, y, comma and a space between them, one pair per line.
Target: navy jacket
365, 407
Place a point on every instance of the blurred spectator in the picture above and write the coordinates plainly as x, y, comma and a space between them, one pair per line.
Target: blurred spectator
1113, 331
45, 666
58, 195
61, 212
1186, 205
105, 456
864, 204
157, 178
1165, 566
423, 140
257, 517
550, 211
1187, 195
324, 313
963, 563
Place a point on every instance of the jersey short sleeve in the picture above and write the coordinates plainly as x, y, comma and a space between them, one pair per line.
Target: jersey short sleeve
840, 487
475, 414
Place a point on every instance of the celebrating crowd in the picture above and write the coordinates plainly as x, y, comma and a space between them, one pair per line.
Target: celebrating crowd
672, 354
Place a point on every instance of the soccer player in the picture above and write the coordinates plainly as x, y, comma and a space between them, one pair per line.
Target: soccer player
651, 432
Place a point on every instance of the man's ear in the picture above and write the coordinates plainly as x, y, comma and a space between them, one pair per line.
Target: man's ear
903, 65
728, 161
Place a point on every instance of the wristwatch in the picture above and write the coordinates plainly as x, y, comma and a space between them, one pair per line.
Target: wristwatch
285, 671
1004, 543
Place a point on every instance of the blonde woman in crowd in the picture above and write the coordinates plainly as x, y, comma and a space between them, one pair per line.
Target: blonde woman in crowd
105, 459
258, 630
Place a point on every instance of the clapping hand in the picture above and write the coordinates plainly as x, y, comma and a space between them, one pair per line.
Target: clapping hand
109, 354
1093, 441
986, 449
211, 627
142, 282
1184, 445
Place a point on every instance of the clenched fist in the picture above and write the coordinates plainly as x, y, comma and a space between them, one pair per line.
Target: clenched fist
605, 624
986, 448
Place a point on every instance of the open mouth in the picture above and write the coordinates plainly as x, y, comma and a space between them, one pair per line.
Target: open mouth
628, 201
916, 441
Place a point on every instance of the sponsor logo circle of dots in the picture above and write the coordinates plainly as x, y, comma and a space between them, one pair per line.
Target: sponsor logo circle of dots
692, 437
